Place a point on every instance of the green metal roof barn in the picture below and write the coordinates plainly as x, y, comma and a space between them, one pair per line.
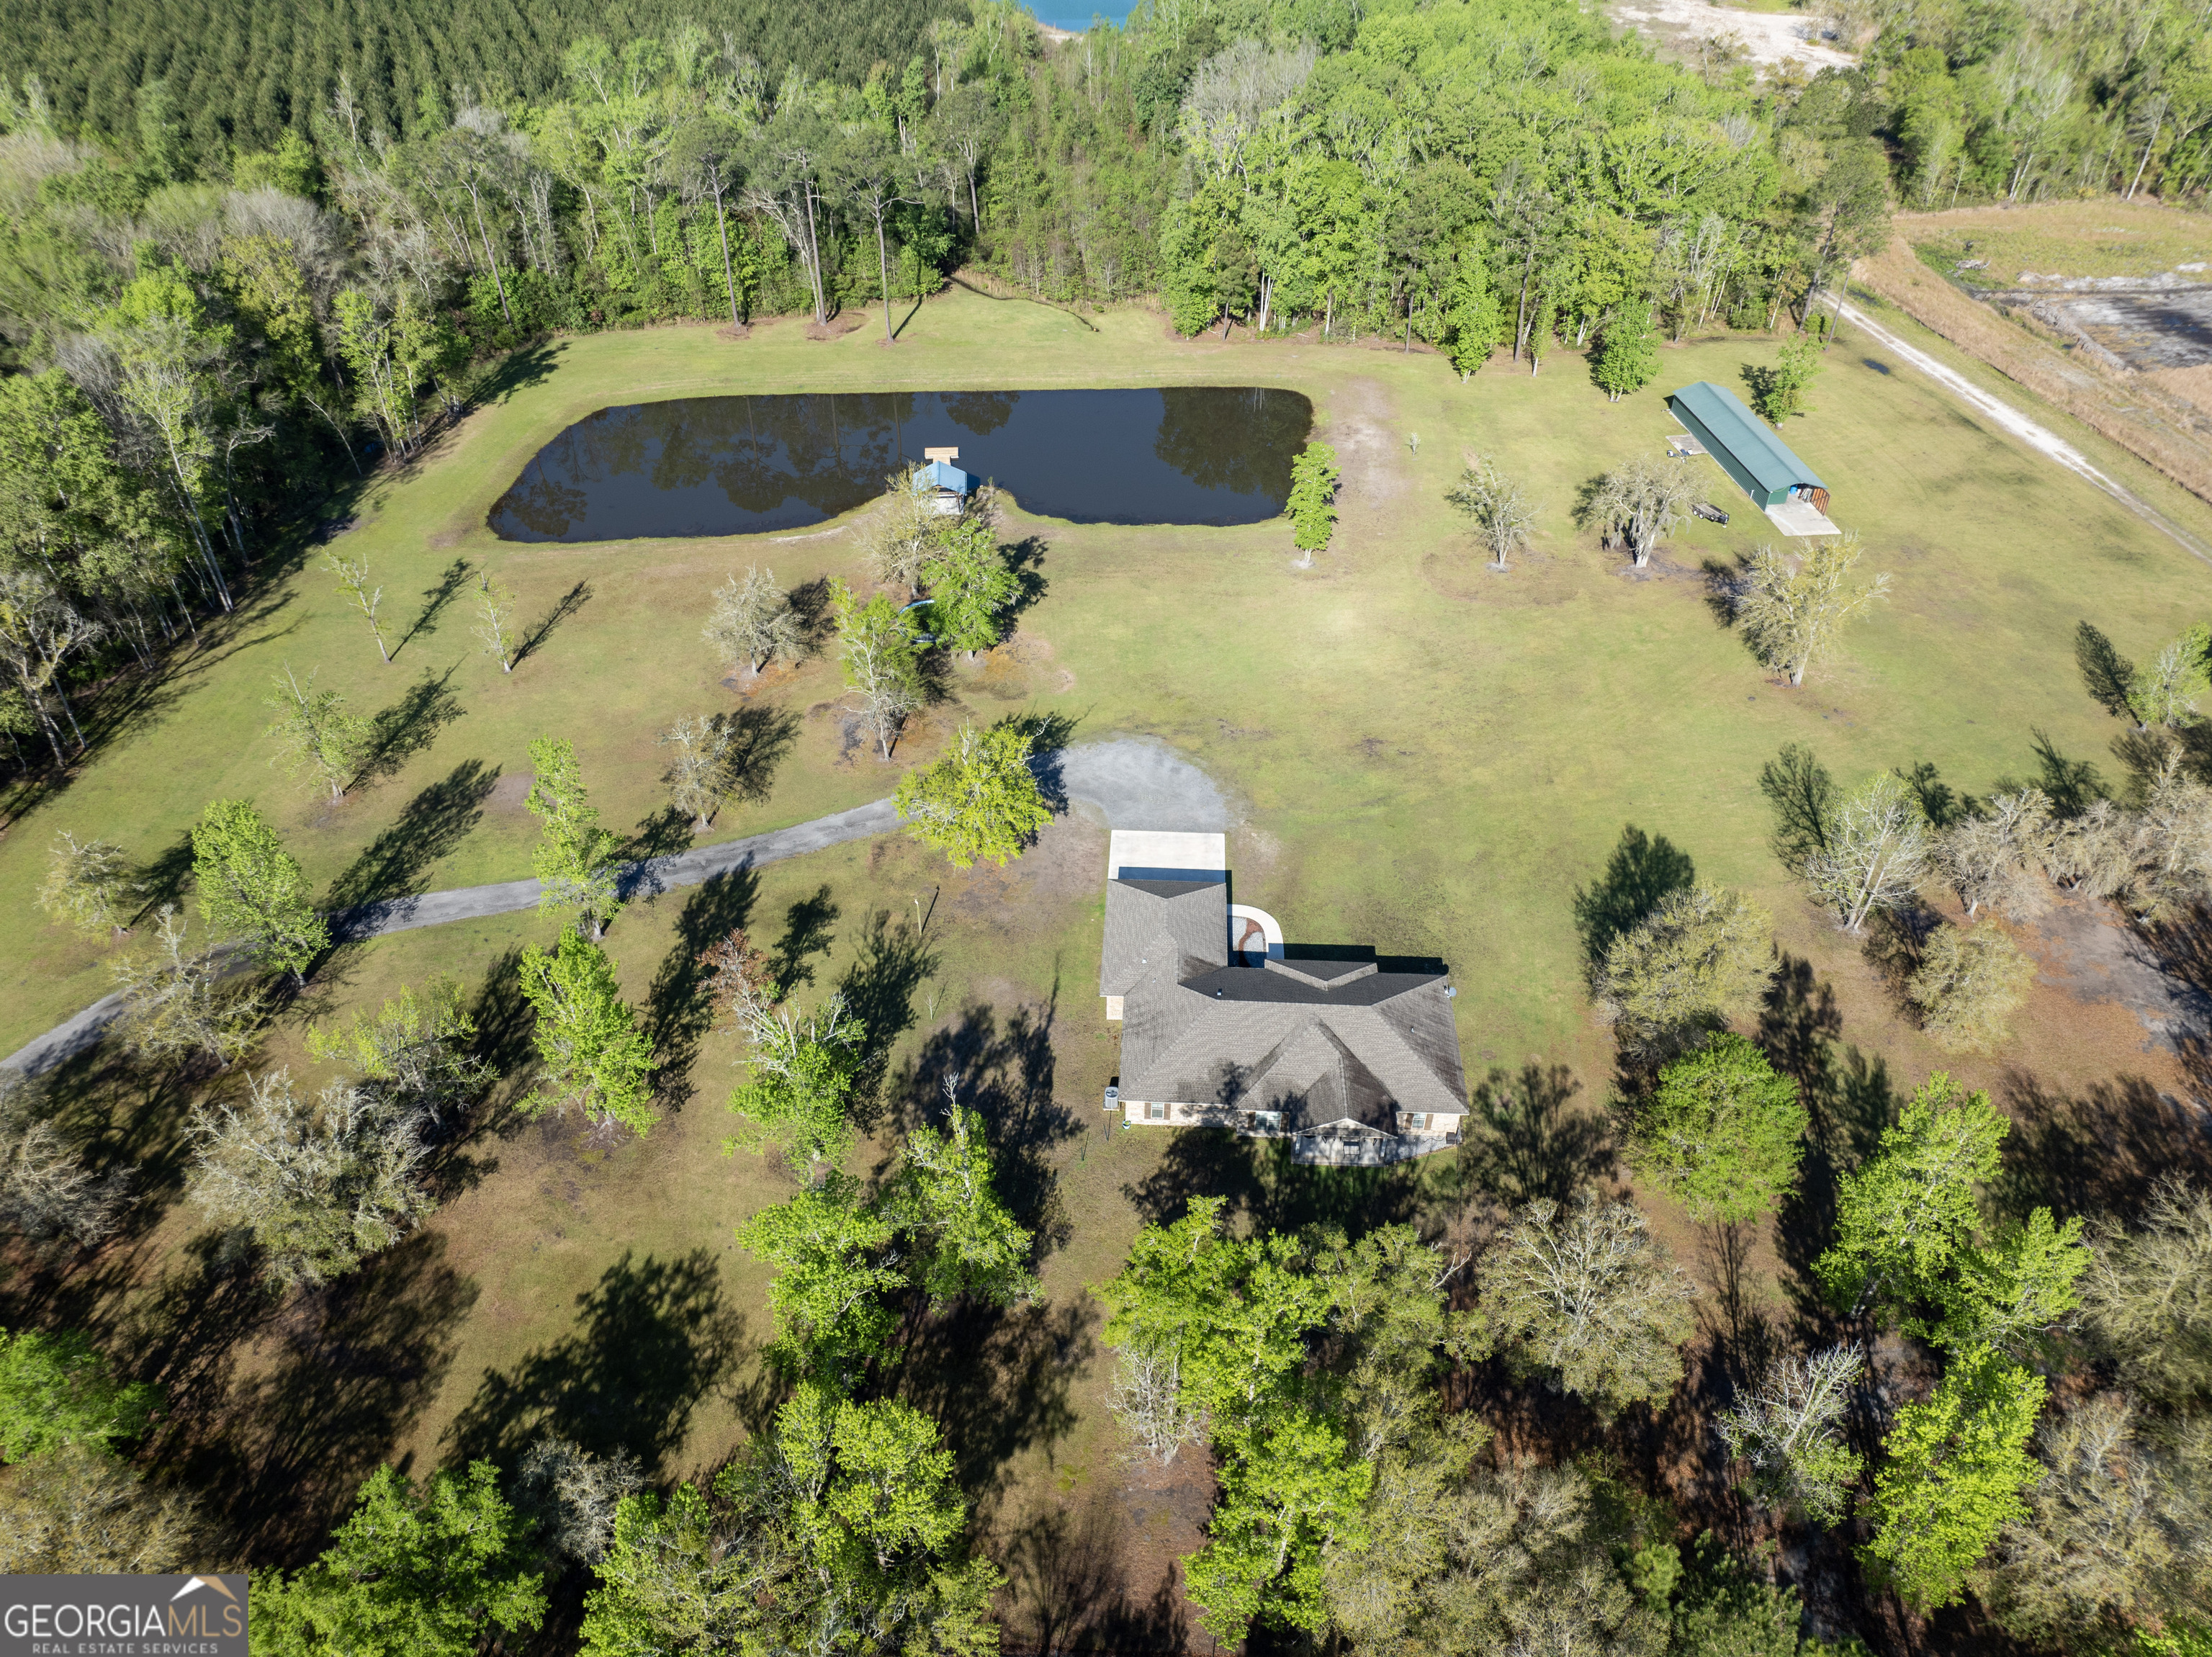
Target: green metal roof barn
1747, 451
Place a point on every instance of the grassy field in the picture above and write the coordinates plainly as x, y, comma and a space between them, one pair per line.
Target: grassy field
1427, 756
2075, 239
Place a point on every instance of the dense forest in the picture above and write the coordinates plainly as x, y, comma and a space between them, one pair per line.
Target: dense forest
243, 247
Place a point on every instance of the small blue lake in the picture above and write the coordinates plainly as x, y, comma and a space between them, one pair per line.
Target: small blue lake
739, 466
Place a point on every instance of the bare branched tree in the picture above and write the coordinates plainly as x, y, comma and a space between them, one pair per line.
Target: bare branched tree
46, 1189
698, 774
320, 1182
180, 1002
1590, 1298
2002, 857
2147, 1296
753, 623
1640, 504
1147, 1400
574, 1494
1791, 611
1789, 1432
1876, 854
1501, 511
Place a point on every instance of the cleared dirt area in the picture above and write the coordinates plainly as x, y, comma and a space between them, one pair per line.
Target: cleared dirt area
1766, 38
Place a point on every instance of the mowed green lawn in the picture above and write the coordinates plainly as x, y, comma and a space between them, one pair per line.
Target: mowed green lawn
1428, 757
1433, 750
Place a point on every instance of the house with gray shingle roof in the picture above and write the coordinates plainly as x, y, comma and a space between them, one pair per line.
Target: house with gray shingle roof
1223, 1025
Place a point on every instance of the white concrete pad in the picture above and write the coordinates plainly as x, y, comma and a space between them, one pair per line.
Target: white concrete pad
1163, 849
1803, 518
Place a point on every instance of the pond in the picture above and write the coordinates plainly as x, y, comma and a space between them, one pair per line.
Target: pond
737, 466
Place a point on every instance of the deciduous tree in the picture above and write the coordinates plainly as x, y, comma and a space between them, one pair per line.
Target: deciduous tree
698, 774
316, 737
1627, 356
981, 801
1788, 1433
1969, 983
48, 1189
495, 622
882, 668
417, 1050
575, 860
86, 885
1589, 1299
178, 1002
596, 1058
2147, 1294
803, 1070
1902, 1218
353, 580
752, 621
970, 585
82, 1511
1792, 612
1952, 1472
2002, 856
319, 1183
1640, 503
58, 1390
1702, 957
1503, 515
253, 889
429, 1571
1875, 854
1779, 392
1723, 1134
966, 1243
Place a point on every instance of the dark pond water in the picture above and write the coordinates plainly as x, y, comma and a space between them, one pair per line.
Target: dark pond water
735, 466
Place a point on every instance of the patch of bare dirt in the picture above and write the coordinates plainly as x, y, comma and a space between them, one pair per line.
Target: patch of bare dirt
1369, 447
510, 791
1068, 861
838, 326
2091, 957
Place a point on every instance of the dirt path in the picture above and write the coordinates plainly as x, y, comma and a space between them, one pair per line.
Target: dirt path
1138, 784
2040, 438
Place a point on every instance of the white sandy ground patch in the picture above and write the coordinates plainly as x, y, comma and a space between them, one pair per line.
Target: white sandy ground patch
1769, 37
2040, 438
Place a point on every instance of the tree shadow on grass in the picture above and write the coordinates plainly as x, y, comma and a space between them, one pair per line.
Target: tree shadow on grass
409, 726
892, 960
430, 826
1848, 1101
651, 1339
1067, 1573
164, 878
570, 602
999, 1381
806, 934
679, 1009
2099, 1154
1641, 871
434, 600
355, 1365
760, 737
1525, 1140
1007, 1076
505, 1024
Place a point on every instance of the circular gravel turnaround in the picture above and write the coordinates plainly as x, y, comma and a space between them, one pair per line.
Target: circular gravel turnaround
1138, 782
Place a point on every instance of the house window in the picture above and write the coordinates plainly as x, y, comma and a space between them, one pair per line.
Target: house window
1415, 1121
1157, 1111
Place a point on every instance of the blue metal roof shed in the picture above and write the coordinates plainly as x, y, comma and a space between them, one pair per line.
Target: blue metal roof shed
1747, 451
943, 474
